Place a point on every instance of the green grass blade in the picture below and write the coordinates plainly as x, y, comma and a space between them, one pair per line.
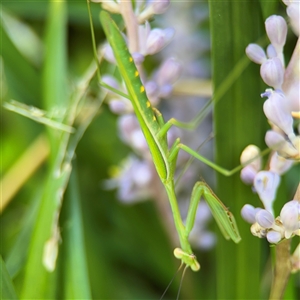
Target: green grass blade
239, 121
16, 258
54, 88
74, 264
21, 77
7, 288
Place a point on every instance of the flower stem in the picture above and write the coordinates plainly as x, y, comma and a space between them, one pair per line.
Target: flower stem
283, 264
282, 270
131, 24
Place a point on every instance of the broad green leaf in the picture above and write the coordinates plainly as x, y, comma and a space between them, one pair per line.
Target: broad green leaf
76, 283
7, 290
21, 77
239, 121
54, 89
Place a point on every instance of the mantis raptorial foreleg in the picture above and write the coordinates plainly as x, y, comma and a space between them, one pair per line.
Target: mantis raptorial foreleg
221, 214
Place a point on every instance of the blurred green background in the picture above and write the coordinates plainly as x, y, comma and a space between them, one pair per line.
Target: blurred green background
109, 250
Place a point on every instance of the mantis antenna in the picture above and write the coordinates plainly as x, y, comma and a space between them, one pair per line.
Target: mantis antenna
174, 276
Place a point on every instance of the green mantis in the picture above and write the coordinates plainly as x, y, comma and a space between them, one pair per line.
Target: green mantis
155, 131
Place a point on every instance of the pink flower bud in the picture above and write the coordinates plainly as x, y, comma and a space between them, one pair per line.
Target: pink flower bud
248, 174
142, 174
168, 72
109, 54
279, 164
293, 11
160, 6
138, 58
152, 90
277, 142
266, 184
272, 72
275, 109
264, 218
127, 124
274, 140
165, 91
132, 187
290, 217
248, 213
119, 106
271, 52
158, 39
143, 33
138, 141
256, 53
276, 29
155, 41
155, 7
111, 81
274, 237
251, 152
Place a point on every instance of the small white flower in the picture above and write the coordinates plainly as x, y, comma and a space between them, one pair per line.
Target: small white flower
120, 106
279, 164
127, 124
275, 109
131, 134
108, 53
276, 29
248, 213
272, 72
251, 152
293, 11
285, 148
266, 184
154, 7
274, 237
248, 174
168, 72
271, 51
133, 181
111, 81
160, 6
153, 41
138, 141
256, 53
290, 217
138, 58
264, 218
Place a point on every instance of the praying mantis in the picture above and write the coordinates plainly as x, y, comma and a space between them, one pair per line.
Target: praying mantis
164, 158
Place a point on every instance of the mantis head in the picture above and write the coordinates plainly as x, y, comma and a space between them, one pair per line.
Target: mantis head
189, 260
